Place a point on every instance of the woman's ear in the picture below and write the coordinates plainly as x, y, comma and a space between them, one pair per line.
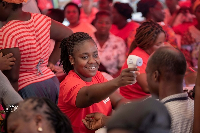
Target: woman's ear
71, 59
4, 4
38, 120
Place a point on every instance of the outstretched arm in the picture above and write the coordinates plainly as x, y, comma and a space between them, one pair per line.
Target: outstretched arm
89, 95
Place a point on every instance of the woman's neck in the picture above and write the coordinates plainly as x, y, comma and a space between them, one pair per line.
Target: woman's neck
72, 25
18, 14
101, 38
87, 10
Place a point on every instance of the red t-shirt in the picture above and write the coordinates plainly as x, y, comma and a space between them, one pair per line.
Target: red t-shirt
134, 91
69, 88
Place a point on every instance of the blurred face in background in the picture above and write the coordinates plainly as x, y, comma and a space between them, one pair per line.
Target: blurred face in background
103, 24
116, 17
87, 4
157, 12
158, 43
72, 14
104, 5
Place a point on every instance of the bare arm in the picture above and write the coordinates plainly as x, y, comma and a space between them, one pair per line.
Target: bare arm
196, 127
13, 74
89, 95
117, 100
141, 79
57, 32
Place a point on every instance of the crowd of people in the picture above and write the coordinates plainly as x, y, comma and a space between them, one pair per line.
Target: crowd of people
98, 89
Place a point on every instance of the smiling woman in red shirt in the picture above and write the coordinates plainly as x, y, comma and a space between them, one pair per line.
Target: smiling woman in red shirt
85, 90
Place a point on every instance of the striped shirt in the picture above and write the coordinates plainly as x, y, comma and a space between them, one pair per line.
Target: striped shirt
181, 112
32, 37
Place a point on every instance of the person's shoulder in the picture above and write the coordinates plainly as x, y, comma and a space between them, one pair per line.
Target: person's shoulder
94, 10
134, 24
141, 53
87, 25
98, 78
71, 80
116, 39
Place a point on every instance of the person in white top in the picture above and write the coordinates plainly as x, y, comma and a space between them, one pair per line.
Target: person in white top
112, 49
72, 14
165, 72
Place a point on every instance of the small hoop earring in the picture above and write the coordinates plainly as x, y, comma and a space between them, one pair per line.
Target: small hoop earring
40, 129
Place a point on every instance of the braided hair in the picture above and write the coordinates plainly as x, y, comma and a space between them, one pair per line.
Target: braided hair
59, 122
67, 48
146, 35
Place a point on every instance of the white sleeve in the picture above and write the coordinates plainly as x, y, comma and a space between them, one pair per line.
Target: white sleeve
7, 92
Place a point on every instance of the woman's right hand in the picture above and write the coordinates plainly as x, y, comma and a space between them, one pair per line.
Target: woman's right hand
127, 76
6, 61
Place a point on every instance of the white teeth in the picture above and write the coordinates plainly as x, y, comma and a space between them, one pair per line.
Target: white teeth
92, 68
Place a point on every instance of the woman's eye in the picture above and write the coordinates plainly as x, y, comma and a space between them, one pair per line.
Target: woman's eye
96, 55
84, 57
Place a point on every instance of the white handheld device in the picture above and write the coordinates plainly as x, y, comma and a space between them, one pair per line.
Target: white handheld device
134, 61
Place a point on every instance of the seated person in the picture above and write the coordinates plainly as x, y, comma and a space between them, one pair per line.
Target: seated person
149, 37
165, 72
72, 14
190, 39
35, 115
153, 10
85, 90
121, 12
105, 5
111, 49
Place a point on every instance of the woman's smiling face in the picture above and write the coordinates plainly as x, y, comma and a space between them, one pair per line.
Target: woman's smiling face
85, 60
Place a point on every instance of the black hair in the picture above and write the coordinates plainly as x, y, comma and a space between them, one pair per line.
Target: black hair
56, 14
101, 13
59, 122
124, 9
73, 4
15, 6
143, 6
146, 35
67, 48
169, 61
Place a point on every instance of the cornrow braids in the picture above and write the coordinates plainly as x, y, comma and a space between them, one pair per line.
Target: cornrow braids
59, 122
67, 48
146, 35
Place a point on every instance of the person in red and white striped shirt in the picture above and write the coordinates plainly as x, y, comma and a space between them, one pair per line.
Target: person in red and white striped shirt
27, 36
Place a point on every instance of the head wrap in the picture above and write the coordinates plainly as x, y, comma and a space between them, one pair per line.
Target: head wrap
196, 4
15, 1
